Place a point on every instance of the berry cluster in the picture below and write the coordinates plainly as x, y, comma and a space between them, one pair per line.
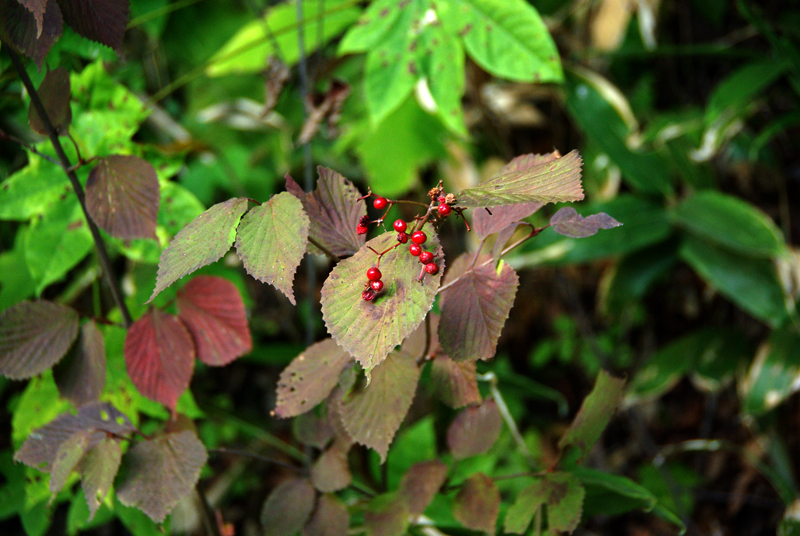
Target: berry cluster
374, 284
425, 257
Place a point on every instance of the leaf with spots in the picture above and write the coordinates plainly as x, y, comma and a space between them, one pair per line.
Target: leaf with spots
369, 330
421, 483
330, 518
103, 21
455, 382
288, 507
159, 356
205, 240
34, 336
477, 503
122, 196
160, 472
372, 413
213, 311
386, 515
561, 492
331, 471
19, 28
54, 92
272, 239
568, 222
82, 376
555, 181
475, 307
474, 430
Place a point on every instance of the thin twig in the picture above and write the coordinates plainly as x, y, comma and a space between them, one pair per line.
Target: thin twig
255, 456
209, 519
6, 136
491, 379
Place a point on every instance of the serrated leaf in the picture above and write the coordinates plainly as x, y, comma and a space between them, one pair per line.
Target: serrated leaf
330, 518
272, 239
37, 7
386, 515
98, 468
525, 506
160, 472
565, 504
310, 378
288, 507
205, 240
490, 220
54, 92
455, 382
475, 307
373, 414
69, 453
477, 503
333, 210
34, 336
122, 196
82, 377
331, 471
369, 330
213, 311
19, 28
421, 483
159, 357
103, 21
568, 222
474, 430
595, 412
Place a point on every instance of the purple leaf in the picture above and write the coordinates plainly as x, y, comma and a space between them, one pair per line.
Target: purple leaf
67, 457
569, 223
455, 382
34, 336
82, 376
312, 429
54, 92
486, 224
474, 430
19, 28
331, 471
288, 507
421, 483
386, 515
37, 7
477, 503
103, 21
98, 468
330, 518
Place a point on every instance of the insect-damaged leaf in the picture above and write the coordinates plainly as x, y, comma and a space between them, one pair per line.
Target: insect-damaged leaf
477, 503
369, 330
213, 311
122, 196
334, 211
561, 492
160, 472
98, 468
288, 507
455, 382
82, 376
475, 308
568, 222
474, 430
386, 515
271, 241
490, 220
420, 484
205, 240
330, 518
310, 378
596, 410
54, 92
103, 21
373, 413
555, 181
159, 356
34, 336
331, 471
20, 29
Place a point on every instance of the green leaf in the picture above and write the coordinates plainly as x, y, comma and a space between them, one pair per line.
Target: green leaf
526, 505
205, 240
369, 330
737, 91
611, 494
441, 56
774, 374
38, 405
596, 410
379, 19
562, 493
730, 222
477, 503
15, 278
272, 239
416, 443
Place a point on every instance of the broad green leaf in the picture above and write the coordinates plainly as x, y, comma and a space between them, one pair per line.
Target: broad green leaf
548, 182
736, 92
634, 275
288, 507
455, 382
205, 240
54, 93
441, 58
374, 24
98, 468
414, 444
730, 222
272, 239
331, 471
774, 374
82, 376
421, 483
506, 37
15, 278
612, 494
477, 503
475, 430
369, 330
330, 518
528, 502
750, 283
596, 410
565, 505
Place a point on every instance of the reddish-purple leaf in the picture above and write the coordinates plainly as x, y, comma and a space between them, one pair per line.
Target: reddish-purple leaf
54, 92
487, 221
98, 468
159, 355
477, 503
69, 453
288, 507
568, 222
331, 472
34, 336
19, 28
212, 309
312, 429
310, 378
205, 240
103, 21
475, 308
37, 7
386, 515
420, 484
330, 518
82, 376
122, 196
455, 382
160, 472
500, 241
334, 211
474, 430
373, 414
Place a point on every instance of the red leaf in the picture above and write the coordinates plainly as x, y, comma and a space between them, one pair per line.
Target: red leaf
420, 484
212, 309
34, 336
478, 503
330, 518
103, 21
54, 92
487, 221
159, 355
455, 382
474, 430
288, 507
82, 376
122, 196
19, 28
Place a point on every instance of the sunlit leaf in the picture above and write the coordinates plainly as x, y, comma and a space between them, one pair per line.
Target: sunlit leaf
474, 430
477, 503
595, 413
160, 472
455, 382
330, 518
421, 483
82, 377
386, 515
19, 28
103, 21
271, 241
288, 507
568, 222
490, 220
331, 472
213, 311
98, 468
54, 92
34, 336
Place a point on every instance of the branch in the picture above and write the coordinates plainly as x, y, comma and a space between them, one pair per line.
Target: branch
105, 262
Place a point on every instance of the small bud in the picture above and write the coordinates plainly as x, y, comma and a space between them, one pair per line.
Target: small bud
450, 199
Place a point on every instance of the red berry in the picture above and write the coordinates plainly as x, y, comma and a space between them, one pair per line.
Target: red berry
415, 249
380, 203
377, 286
374, 274
399, 226
431, 268
418, 237
368, 294
426, 257
444, 210
402, 238
361, 229
442, 199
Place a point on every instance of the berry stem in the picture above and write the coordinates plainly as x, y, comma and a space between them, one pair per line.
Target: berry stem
404, 202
